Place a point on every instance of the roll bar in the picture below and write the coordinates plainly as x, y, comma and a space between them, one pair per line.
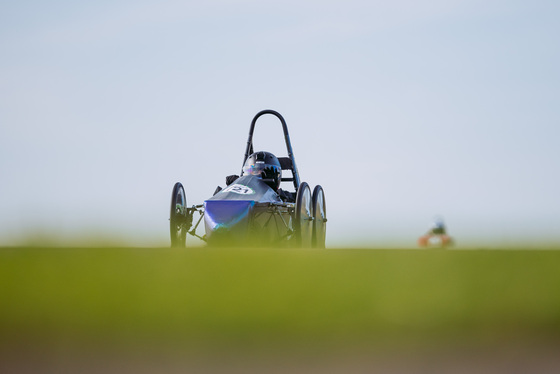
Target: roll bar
249, 149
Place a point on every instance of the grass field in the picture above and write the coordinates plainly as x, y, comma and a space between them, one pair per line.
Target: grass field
321, 301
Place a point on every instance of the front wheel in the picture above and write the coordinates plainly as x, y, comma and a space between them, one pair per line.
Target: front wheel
178, 217
319, 217
303, 223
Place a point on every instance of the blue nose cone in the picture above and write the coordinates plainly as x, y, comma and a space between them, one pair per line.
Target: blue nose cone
231, 216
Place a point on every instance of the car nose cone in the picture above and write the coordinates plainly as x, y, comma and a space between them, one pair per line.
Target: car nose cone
227, 220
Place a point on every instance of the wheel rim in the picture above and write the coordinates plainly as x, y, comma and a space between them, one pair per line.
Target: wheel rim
304, 216
178, 230
320, 218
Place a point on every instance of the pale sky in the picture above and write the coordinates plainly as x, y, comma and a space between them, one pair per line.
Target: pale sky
401, 110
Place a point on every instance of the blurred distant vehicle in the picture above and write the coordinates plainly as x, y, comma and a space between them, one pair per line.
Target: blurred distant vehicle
252, 208
436, 236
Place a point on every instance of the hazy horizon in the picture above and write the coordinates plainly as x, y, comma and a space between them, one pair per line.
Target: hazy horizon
402, 111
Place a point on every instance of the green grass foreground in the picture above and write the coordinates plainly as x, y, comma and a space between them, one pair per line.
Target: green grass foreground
241, 297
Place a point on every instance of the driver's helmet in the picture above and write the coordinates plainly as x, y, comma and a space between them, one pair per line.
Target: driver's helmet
266, 166
438, 226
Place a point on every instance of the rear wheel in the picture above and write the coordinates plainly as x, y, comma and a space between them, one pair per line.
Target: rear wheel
178, 226
303, 223
319, 218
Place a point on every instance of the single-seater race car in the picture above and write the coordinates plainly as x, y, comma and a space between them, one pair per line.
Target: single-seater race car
436, 236
252, 209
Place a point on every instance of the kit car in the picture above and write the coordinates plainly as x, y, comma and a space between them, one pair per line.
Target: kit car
250, 210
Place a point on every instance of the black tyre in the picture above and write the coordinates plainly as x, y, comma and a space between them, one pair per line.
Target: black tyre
178, 226
303, 222
319, 218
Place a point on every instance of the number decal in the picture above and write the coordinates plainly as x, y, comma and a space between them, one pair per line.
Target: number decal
239, 189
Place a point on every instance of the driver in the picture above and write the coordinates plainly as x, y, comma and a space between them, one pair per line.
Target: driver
438, 228
265, 165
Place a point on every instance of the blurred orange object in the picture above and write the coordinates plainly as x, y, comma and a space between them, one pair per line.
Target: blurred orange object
435, 240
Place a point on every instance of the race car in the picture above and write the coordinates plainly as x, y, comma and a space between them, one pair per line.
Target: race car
436, 236
252, 209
